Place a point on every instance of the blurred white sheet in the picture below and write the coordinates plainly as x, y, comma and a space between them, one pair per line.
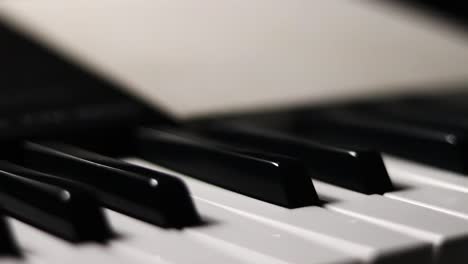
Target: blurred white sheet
199, 56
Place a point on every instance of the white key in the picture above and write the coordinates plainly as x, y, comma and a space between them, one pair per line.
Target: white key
448, 234
45, 248
416, 174
245, 234
443, 200
331, 193
370, 243
26, 259
167, 244
433, 188
229, 239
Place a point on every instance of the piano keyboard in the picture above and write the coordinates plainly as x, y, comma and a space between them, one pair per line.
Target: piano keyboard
90, 173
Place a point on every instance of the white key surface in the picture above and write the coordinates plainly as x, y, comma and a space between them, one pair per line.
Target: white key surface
443, 200
449, 234
331, 193
417, 174
247, 234
227, 237
168, 245
41, 246
370, 243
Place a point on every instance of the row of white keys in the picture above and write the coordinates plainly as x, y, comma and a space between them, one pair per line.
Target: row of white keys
425, 186
439, 199
226, 238
369, 243
447, 233
171, 246
40, 247
433, 188
416, 174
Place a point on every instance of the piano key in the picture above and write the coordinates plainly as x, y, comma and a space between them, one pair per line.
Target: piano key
433, 114
226, 237
65, 210
274, 179
430, 195
443, 200
243, 233
8, 245
159, 199
449, 234
51, 250
436, 146
172, 246
355, 169
331, 193
415, 174
367, 242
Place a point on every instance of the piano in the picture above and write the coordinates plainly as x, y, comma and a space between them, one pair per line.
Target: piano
328, 132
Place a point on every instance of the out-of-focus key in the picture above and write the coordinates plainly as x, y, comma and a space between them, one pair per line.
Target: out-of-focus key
8, 246
440, 147
365, 241
64, 210
449, 234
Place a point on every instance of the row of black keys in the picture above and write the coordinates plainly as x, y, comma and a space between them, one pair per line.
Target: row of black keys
45, 182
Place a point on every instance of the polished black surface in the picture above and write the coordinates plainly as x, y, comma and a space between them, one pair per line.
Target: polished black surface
8, 245
449, 10
156, 198
275, 179
355, 169
437, 146
61, 208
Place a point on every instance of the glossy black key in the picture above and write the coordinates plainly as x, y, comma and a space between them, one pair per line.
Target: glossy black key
427, 114
359, 170
157, 198
61, 208
435, 146
275, 179
8, 246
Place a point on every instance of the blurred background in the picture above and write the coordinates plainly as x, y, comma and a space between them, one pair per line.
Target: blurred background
196, 57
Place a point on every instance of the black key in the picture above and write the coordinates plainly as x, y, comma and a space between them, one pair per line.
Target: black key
435, 146
426, 114
156, 198
278, 180
61, 208
359, 170
450, 10
8, 246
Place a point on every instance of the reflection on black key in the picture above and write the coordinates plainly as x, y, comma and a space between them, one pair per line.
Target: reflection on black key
358, 170
277, 180
8, 246
157, 198
436, 146
62, 209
